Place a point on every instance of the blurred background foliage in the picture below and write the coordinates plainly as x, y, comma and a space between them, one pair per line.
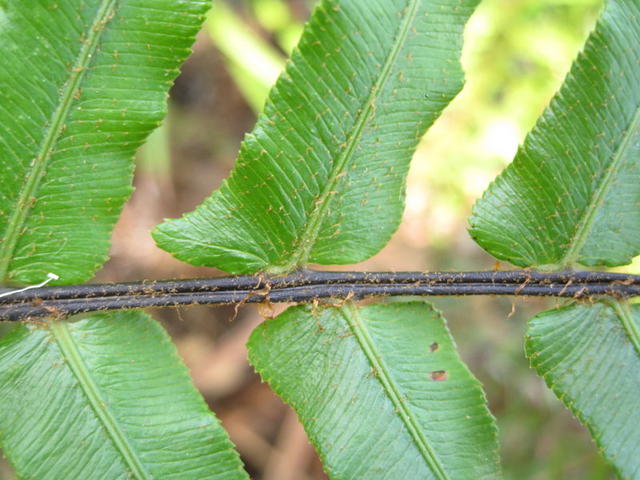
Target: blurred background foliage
516, 55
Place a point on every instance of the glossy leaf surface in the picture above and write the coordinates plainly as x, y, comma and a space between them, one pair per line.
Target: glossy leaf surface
106, 397
330, 154
380, 390
589, 355
572, 194
83, 83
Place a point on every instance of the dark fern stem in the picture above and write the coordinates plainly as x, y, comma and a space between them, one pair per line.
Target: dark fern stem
310, 286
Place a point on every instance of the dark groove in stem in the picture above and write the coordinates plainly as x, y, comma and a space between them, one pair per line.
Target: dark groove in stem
309, 286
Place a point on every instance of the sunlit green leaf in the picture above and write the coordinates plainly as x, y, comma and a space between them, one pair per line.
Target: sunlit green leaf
83, 83
252, 62
380, 390
589, 355
572, 194
328, 158
106, 398
277, 17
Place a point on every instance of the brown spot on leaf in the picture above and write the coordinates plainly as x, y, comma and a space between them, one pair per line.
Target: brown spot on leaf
439, 376
433, 347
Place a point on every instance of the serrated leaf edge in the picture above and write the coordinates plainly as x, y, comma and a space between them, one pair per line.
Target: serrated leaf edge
307, 240
623, 311
350, 314
73, 360
38, 167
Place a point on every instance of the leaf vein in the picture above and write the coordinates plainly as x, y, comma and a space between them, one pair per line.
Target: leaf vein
307, 238
359, 329
73, 357
583, 228
56, 127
